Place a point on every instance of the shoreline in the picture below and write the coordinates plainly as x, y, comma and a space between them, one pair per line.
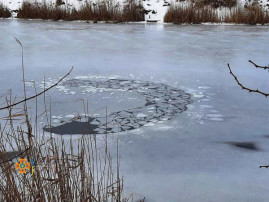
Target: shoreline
135, 22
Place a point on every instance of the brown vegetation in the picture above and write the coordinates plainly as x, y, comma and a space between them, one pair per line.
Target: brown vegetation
102, 11
4, 12
253, 14
190, 14
63, 170
196, 14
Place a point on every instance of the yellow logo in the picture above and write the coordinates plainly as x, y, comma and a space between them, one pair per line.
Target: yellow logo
22, 166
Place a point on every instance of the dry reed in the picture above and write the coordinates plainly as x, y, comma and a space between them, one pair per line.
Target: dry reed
101, 11
190, 14
196, 14
64, 170
252, 15
4, 12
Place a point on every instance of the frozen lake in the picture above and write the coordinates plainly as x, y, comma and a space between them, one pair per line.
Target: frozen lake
211, 151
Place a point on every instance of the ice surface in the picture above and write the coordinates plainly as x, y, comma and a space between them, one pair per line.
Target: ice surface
190, 157
166, 100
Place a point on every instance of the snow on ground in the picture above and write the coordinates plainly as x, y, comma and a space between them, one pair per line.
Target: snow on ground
155, 9
16, 4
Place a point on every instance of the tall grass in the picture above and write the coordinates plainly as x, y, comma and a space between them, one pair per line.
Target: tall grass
4, 12
64, 170
107, 10
253, 14
195, 14
74, 170
190, 14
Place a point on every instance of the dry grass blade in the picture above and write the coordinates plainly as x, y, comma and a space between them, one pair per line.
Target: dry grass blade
18, 41
12, 116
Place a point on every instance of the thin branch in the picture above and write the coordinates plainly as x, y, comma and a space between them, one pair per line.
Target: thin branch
264, 166
258, 66
245, 88
34, 96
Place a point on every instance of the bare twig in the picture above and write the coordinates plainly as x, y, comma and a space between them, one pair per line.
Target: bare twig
245, 88
34, 96
264, 166
258, 66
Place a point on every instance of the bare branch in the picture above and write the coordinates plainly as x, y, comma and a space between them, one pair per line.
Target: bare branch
245, 88
258, 66
34, 96
264, 166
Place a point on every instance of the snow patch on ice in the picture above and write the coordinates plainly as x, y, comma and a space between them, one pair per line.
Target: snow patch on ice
149, 124
216, 119
141, 115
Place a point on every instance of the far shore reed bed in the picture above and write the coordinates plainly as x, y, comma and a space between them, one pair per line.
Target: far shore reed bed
191, 14
4, 12
196, 14
248, 15
101, 11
